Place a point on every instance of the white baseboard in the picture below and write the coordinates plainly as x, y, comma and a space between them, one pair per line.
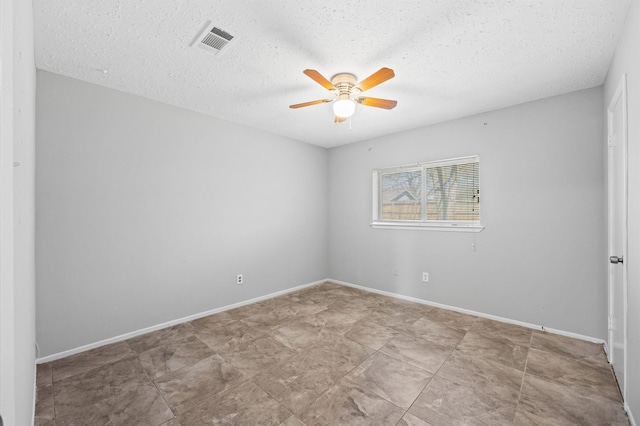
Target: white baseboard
129, 335
470, 312
172, 323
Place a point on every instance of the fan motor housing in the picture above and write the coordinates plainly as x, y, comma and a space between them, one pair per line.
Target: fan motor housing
345, 83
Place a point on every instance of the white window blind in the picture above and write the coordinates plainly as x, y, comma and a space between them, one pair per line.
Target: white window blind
402, 195
440, 194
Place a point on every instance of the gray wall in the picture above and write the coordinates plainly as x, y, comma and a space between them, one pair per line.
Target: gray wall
17, 264
540, 258
627, 60
146, 213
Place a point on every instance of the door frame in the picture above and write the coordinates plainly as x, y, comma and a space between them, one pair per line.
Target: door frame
7, 333
620, 95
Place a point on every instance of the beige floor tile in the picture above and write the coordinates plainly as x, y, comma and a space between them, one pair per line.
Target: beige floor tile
174, 355
189, 386
395, 306
343, 292
223, 337
451, 318
567, 346
400, 321
326, 294
371, 334
300, 335
119, 392
410, 420
245, 405
463, 368
73, 394
161, 337
292, 421
338, 320
306, 297
475, 402
340, 354
212, 321
268, 320
524, 418
298, 382
94, 418
545, 402
44, 421
374, 300
351, 306
394, 380
86, 361
277, 303
470, 389
420, 352
584, 378
44, 402
140, 406
515, 333
494, 348
436, 332
348, 404
249, 310
44, 374
255, 356
296, 310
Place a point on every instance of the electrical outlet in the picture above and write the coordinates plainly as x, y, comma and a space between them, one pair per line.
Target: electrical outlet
425, 277
239, 279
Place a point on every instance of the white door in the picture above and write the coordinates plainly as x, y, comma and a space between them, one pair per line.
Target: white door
617, 235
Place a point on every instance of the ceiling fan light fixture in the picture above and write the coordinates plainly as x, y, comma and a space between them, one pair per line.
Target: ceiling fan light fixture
346, 89
344, 107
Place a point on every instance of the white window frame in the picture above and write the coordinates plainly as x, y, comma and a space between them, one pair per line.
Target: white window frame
427, 225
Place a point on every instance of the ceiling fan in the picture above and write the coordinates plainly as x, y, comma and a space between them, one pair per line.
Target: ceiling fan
346, 89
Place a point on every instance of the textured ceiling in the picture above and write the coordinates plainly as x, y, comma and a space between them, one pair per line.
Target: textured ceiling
452, 58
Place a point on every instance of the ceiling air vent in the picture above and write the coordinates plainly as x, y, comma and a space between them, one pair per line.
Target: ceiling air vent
213, 39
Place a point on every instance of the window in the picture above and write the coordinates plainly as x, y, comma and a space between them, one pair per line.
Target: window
443, 195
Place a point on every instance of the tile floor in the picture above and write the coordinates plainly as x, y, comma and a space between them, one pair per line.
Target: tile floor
334, 355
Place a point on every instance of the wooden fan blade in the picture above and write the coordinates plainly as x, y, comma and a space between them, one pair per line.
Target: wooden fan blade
378, 103
339, 119
380, 76
318, 78
304, 104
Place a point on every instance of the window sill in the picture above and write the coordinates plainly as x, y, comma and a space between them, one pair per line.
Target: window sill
422, 226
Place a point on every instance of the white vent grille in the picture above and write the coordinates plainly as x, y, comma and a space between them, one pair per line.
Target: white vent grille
213, 39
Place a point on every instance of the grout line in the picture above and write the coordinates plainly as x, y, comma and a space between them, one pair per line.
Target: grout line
291, 413
53, 394
175, 416
438, 370
524, 373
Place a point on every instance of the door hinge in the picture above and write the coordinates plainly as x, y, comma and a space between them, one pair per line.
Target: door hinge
610, 141
612, 323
